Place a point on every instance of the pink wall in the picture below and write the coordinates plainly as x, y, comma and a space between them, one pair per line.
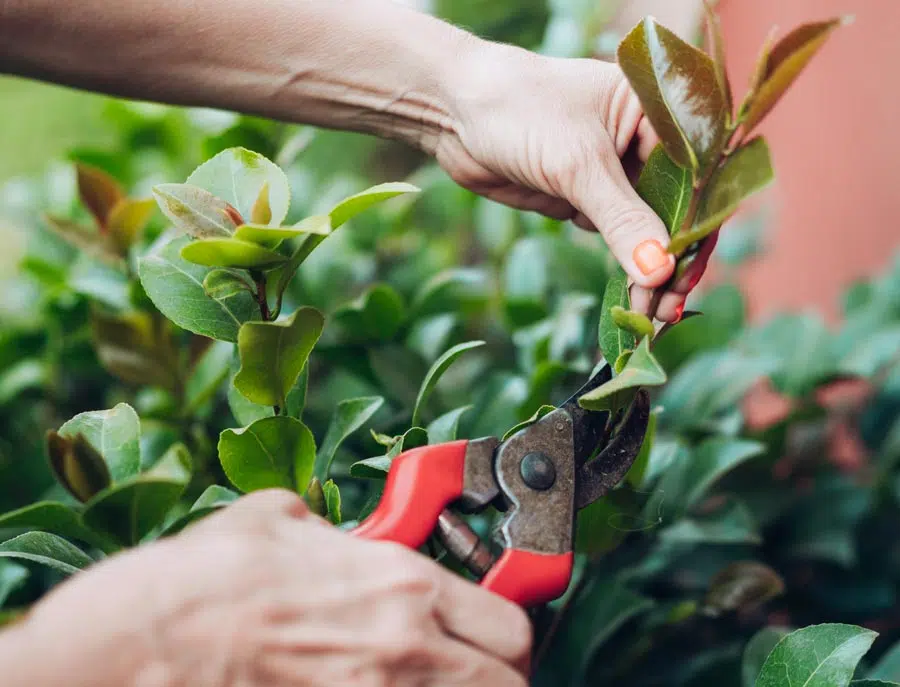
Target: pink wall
835, 140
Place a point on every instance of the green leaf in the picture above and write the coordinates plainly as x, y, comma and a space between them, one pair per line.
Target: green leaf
642, 370
873, 683
114, 433
135, 347
445, 427
266, 236
817, 656
741, 586
315, 498
272, 452
130, 510
90, 242
538, 414
127, 220
359, 202
613, 340
57, 518
273, 355
195, 211
208, 374
689, 478
602, 525
332, 501
746, 172
261, 213
376, 315
77, 465
231, 253
666, 188
46, 549
212, 499
176, 288
756, 652
348, 417
238, 175
434, 374
729, 524
873, 354
12, 577
526, 280
678, 89
222, 284
888, 666
378, 466
638, 469
636, 323
784, 64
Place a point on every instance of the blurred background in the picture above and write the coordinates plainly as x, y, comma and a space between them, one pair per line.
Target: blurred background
778, 434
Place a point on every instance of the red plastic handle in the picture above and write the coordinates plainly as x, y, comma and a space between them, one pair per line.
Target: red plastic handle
528, 578
421, 483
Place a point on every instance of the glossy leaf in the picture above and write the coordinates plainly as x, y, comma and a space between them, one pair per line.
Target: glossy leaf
348, 417
613, 340
784, 64
378, 466
873, 683
46, 549
176, 287
136, 347
817, 656
741, 586
127, 221
717, 52
315, 498
237, 175
212, 499
638, 469
77, 465
273, 355
538, 414
746, 172
98, 191
12, 577
208, 374
272, 452
114, 433
229, 252
332, 502
678, 89
129, 511
56, 518
195, 211
633, 322
666, 188
376, 315
757, 650
730, 524
222, 284
359, 202
434, 374
265, 236
642, 370
445, 428
604, 524
261, 212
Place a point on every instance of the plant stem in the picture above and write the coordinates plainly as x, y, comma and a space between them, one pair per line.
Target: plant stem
261, 300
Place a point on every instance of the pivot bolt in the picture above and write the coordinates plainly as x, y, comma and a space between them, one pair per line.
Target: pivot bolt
538, 471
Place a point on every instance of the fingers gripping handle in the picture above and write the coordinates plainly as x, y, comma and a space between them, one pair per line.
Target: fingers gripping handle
420, 484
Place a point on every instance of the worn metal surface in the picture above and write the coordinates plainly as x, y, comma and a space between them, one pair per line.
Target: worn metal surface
540, 521
597, 477
479, 485
459, 539
590, 425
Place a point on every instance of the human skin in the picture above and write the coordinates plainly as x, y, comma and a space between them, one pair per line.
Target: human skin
265, 594
534, 132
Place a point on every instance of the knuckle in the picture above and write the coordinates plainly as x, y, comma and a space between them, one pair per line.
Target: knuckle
624, 224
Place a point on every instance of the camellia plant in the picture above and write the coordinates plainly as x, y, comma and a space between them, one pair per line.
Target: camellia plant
246, 343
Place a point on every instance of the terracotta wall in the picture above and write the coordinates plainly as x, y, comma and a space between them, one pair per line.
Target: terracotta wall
836, 145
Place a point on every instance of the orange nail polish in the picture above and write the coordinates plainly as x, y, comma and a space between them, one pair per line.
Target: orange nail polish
650, 256
679, 311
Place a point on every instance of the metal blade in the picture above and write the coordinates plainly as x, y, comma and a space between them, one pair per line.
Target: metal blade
590, 425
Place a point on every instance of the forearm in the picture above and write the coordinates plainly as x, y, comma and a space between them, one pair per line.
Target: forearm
363, 65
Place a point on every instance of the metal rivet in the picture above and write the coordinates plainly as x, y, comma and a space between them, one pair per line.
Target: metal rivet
560, 426
538, 471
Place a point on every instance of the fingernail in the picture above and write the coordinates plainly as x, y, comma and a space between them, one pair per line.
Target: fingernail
679, 311
650, 256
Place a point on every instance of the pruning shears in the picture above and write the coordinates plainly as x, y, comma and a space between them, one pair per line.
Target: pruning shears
540, 477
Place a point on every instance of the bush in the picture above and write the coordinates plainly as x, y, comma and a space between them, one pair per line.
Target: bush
174, 372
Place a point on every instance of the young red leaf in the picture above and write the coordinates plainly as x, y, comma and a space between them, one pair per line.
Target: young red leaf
99, 192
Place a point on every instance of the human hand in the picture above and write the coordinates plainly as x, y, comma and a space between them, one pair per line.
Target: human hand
548, 134
266, 594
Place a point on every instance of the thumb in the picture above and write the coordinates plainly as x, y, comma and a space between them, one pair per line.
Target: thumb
634, 233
